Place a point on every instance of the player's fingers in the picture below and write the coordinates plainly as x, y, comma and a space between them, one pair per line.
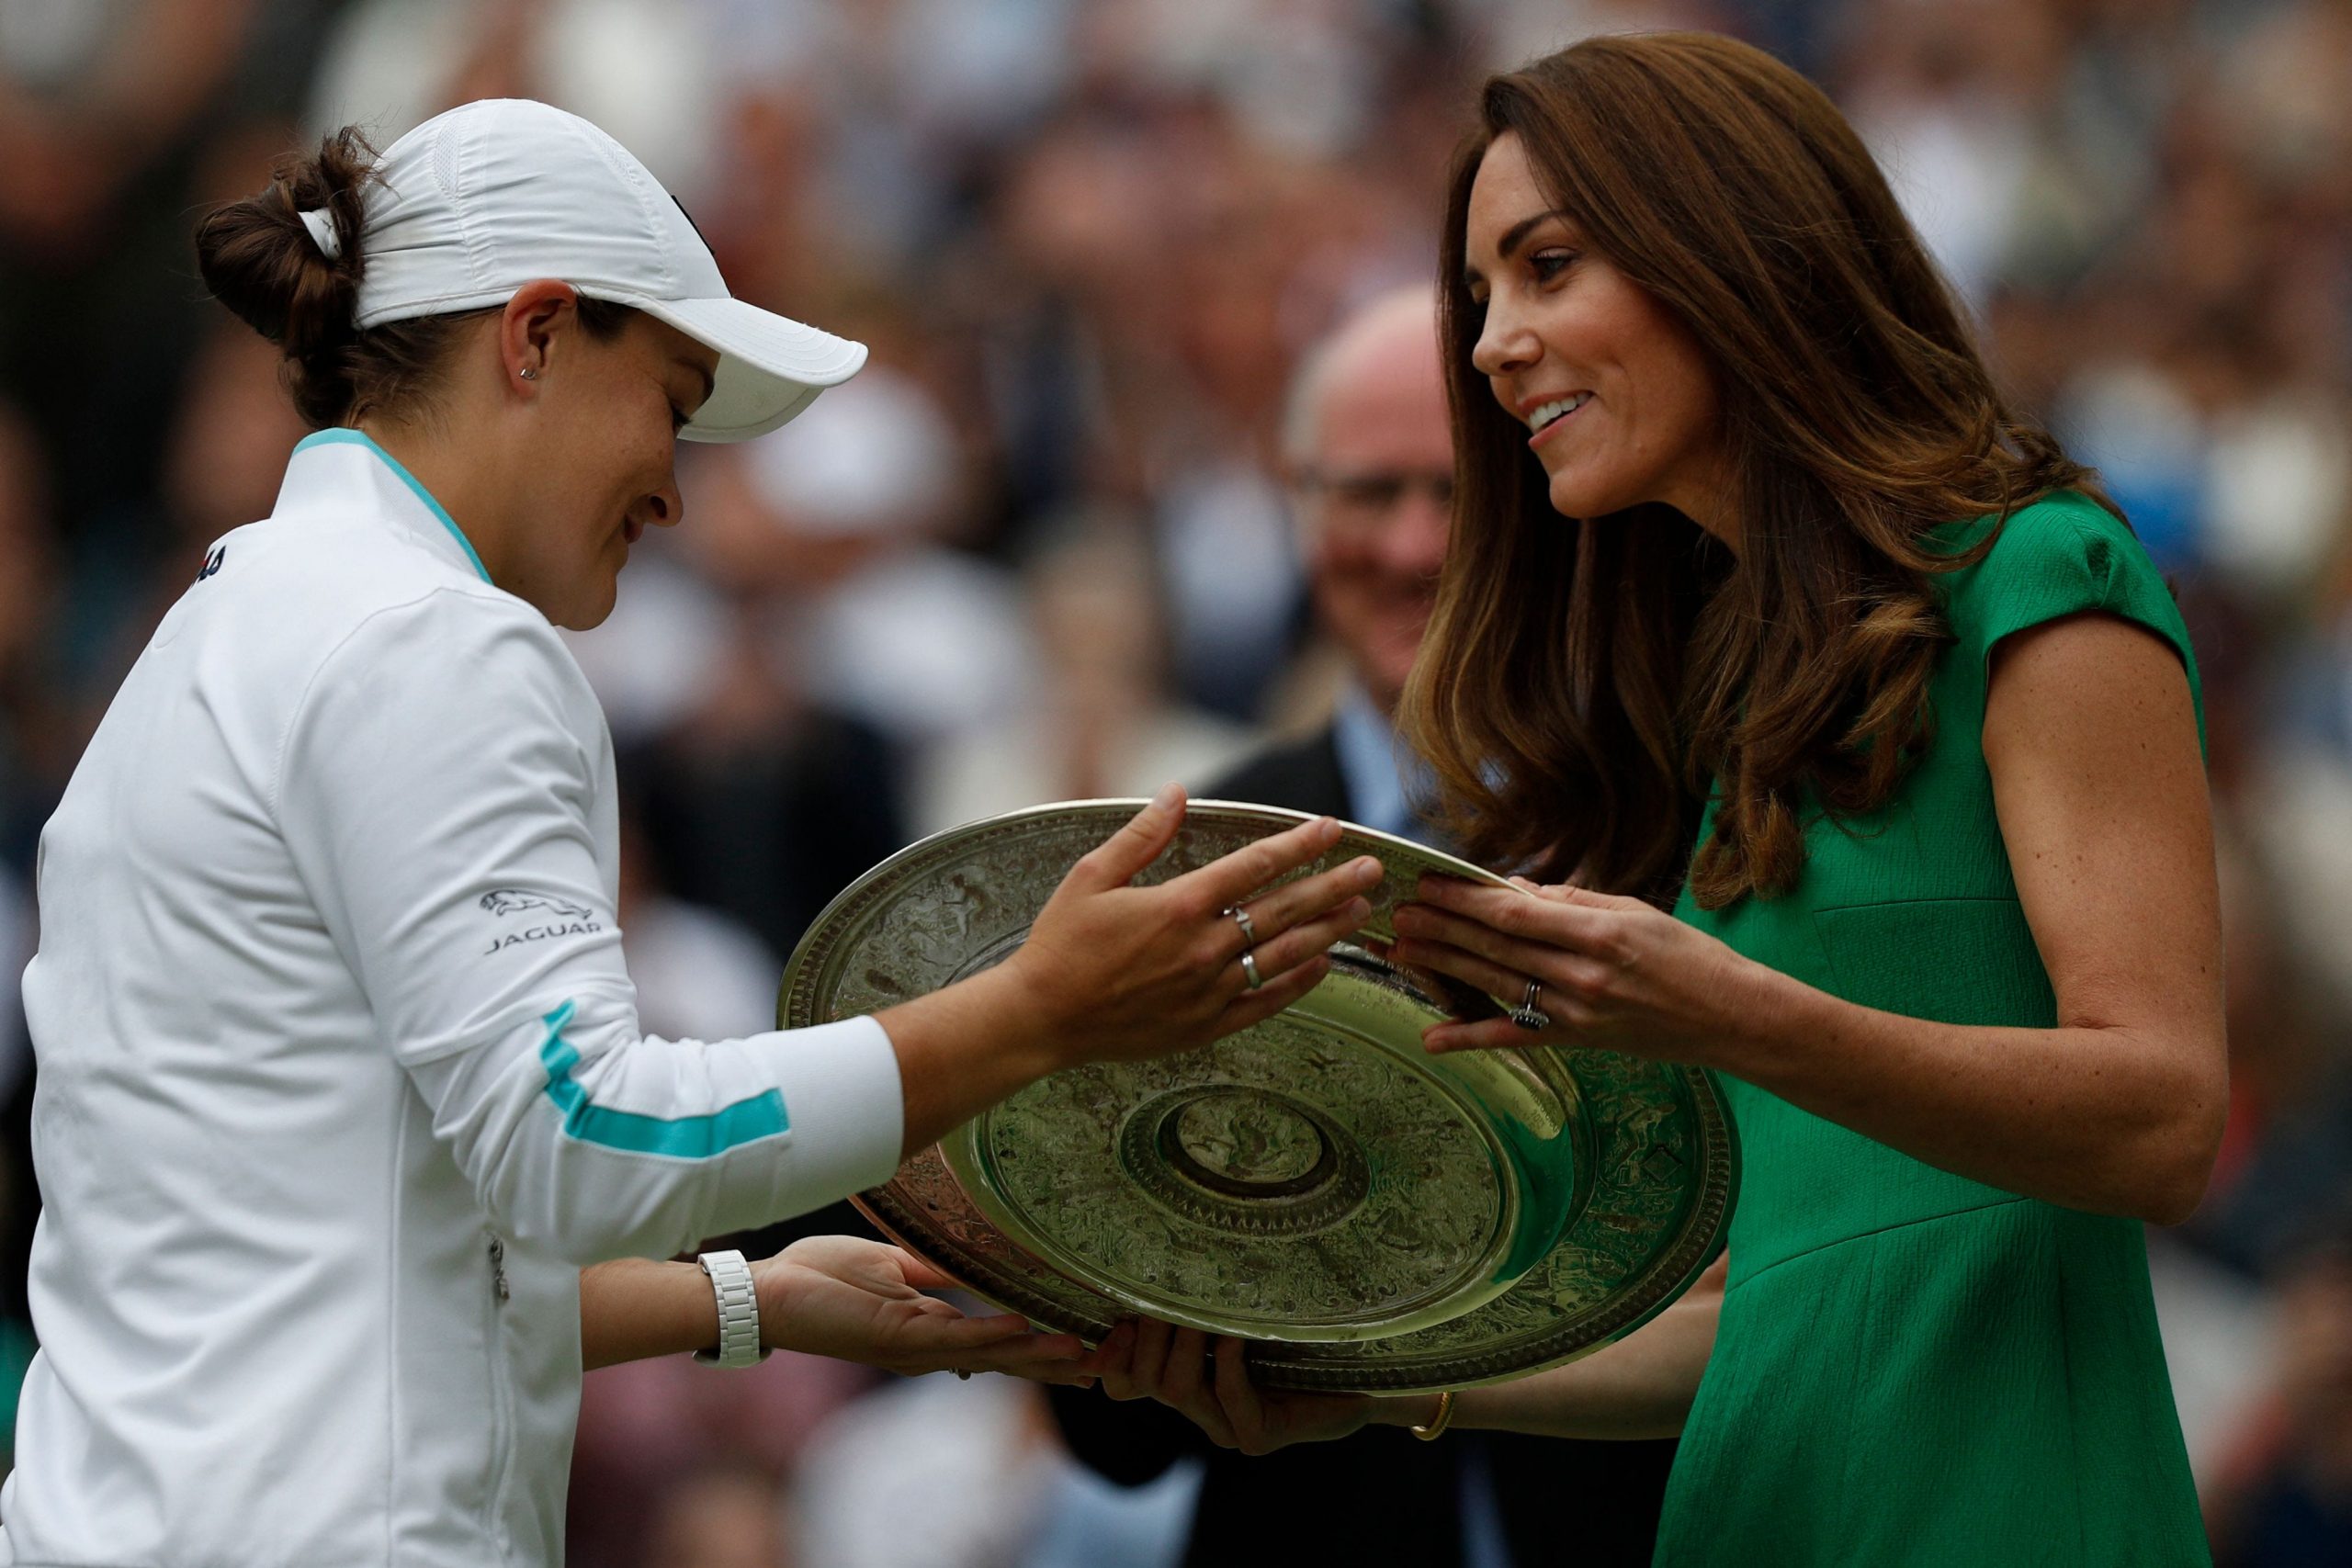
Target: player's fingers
1256, 1007
1293, 903
1028, 1350
1117, 859
995, 1329
1295, 947
1238, 876
922, 1274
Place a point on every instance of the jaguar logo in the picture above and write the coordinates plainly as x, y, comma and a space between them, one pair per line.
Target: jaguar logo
513, 901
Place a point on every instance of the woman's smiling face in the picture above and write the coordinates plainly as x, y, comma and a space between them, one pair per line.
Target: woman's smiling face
603, 462
1621, 405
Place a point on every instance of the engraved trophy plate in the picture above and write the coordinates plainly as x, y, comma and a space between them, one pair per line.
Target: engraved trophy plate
1378, 1217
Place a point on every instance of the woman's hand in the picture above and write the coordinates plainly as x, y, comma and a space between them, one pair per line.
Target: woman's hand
1610, 972
1209, 1383
861, 1300
1114, 972
1121, 972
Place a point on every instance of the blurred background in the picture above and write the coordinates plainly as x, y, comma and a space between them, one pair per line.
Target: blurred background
1042, 547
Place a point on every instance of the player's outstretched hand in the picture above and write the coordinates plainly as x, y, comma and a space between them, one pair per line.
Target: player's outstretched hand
864, 1302
1141, 971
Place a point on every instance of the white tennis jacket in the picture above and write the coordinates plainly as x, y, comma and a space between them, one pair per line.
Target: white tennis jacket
340, 1073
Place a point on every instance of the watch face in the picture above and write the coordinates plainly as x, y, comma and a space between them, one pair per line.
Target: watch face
1374, 1216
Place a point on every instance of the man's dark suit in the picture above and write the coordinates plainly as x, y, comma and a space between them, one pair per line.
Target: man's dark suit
1382, 1496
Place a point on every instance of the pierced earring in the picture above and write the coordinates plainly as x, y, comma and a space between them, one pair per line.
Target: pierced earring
528, 375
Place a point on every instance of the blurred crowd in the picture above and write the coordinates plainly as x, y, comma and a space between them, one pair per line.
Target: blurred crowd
1042, 549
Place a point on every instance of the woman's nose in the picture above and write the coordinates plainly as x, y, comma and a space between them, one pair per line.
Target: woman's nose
1504, 343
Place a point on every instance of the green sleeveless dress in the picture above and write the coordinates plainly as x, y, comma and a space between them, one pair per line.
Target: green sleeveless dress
1914, 1368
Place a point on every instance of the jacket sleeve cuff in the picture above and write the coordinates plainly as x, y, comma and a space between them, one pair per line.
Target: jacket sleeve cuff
843, 1104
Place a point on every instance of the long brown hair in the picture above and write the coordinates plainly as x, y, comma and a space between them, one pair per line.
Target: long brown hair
1585, 680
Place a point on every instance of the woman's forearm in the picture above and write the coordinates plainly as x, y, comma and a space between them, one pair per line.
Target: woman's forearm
2111, 1119
962, 1049
632, 1308
1640, 1387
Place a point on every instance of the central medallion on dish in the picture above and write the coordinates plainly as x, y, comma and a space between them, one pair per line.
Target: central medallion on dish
1279, 1181
1245, 1160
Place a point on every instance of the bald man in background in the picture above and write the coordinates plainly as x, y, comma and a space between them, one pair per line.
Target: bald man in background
1369, 459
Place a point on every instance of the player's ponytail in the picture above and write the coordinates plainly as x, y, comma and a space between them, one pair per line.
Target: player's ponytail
296, 280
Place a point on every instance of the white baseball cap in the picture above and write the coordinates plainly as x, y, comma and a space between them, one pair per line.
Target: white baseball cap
482, 199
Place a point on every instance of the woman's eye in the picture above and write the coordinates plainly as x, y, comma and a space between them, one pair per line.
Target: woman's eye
1547, 266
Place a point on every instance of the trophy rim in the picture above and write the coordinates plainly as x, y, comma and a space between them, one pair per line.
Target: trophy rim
928, 1210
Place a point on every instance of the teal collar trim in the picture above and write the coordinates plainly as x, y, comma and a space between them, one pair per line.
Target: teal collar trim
686, 1138
342, 435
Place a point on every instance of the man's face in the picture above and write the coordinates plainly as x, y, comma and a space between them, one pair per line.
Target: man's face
1376, 492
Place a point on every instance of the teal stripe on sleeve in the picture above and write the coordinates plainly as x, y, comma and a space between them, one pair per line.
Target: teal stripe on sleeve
342, 435
687, 1137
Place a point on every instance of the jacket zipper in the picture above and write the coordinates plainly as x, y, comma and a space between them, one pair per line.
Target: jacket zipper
501, 1435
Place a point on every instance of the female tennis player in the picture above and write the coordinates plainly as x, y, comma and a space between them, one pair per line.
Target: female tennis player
341, 1079
1763, 596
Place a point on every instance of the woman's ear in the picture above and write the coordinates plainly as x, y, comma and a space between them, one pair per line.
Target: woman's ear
533, 325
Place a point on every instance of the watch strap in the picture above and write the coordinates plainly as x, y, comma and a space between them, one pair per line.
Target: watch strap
739, 1312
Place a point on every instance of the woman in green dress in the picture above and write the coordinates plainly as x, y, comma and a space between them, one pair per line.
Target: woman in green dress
1765, 604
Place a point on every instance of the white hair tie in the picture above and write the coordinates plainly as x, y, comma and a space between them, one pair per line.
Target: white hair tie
321, 223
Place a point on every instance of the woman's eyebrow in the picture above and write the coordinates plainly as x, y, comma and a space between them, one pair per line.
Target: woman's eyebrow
1514, 237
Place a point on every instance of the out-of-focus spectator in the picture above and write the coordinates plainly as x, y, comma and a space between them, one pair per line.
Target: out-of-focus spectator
934, 1472
1102, 722
109, 113
2285, 1496
754, 800
642, 69
839, 521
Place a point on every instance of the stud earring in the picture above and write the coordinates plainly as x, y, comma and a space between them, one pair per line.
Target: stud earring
528, 375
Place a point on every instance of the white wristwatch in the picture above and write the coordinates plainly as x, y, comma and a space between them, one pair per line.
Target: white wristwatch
739, 1312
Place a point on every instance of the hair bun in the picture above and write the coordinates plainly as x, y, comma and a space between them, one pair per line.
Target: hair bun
260, 258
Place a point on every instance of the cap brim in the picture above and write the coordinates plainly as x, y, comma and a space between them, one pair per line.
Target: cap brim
770, 367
